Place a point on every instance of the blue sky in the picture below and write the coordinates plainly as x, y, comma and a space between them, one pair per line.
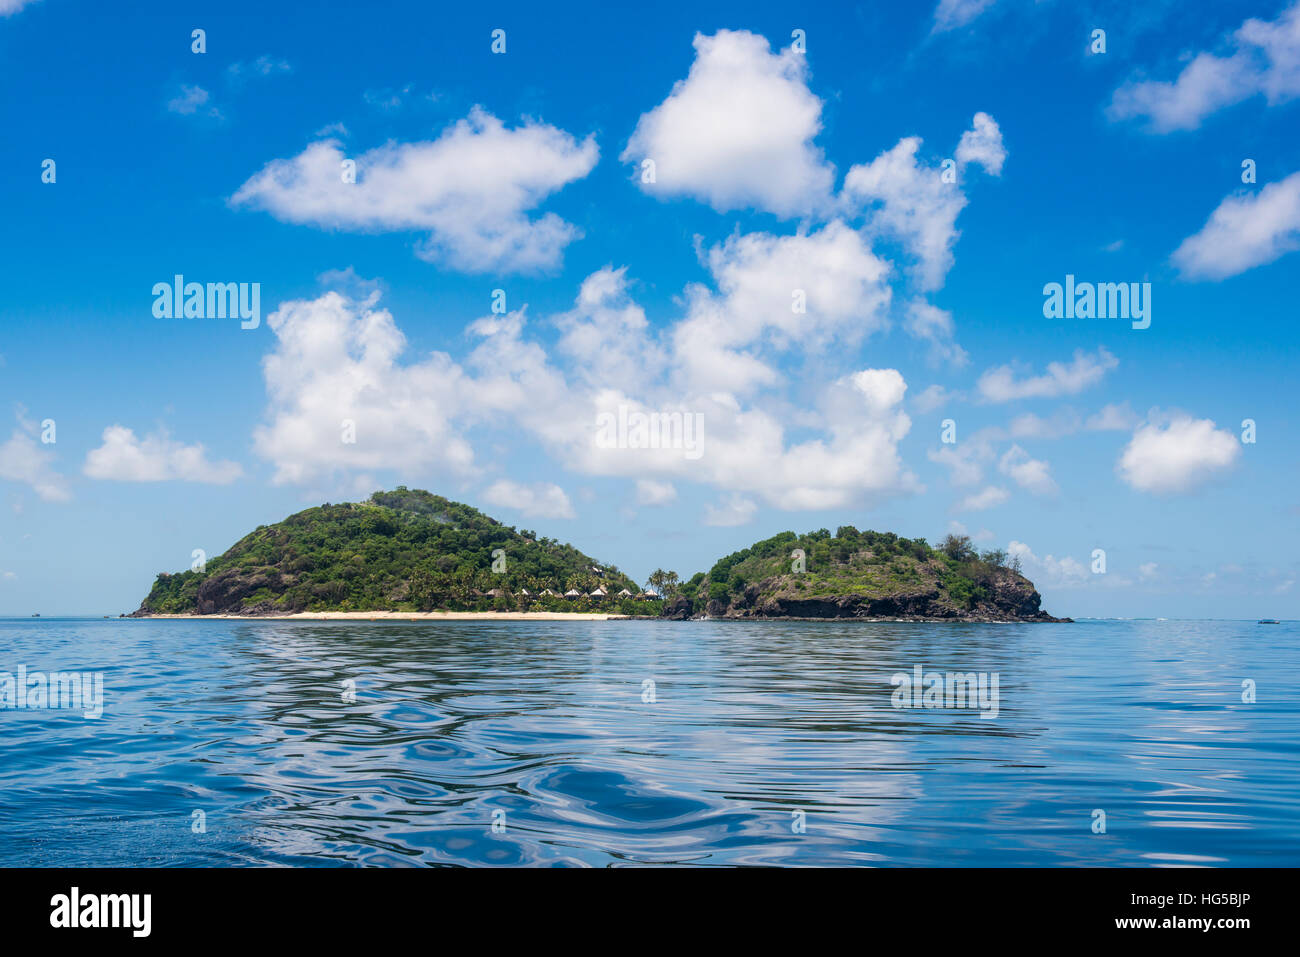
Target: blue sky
779, 172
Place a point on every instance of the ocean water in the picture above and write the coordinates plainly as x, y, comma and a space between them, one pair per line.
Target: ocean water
772, 743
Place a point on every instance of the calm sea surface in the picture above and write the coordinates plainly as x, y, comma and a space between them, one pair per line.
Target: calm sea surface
757, 743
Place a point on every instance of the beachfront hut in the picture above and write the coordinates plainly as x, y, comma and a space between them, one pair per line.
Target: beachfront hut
598, 593
573, 593
547, 591
624, 594
526, 593
497, 593
648, 594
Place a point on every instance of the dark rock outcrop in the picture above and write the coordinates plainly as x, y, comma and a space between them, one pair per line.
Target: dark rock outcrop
1010, 598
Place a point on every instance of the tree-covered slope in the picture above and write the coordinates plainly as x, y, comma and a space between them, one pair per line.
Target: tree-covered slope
854, 574
402, 551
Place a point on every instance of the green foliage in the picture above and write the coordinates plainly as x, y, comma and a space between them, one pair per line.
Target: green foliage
855, 562
404, 550
958, 547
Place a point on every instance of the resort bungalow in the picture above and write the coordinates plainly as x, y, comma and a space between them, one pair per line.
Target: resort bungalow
547, 591
497, 593
573, 593
624, 594
526, 593
648, 595
598, 593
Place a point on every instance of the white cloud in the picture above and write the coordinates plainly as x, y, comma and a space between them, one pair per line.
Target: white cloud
988, 497
1175, 453
123, 457
910, 202
964, 462
538, 500
1001, 384
934, 325
1049, 570
9, 7
733, 510
23, 459
650, 492
982, 145
337, 361
737, 131
759, 277
1035, 475
1265, 58
950, 14
1246, 230
1115, 417
262, 66
390, 100
471, 189
190, 100
935, 397
607, 336
340, 359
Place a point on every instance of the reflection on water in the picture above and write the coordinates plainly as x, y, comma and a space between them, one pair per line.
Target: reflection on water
757, 743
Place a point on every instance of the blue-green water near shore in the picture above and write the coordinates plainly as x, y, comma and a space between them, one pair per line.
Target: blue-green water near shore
542, 743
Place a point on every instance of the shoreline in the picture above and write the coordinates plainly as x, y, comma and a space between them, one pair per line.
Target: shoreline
401, 616
571, 616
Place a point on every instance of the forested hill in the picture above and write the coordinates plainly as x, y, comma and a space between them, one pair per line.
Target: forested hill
854, 574
404, 550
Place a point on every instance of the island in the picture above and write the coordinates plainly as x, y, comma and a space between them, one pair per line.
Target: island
408, 553
864, 575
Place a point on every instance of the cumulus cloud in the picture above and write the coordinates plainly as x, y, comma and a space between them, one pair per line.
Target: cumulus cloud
982, 145
737, 131
909, 201
537, 500
1002, 385
339, 361
988, 497
1032, 474
471, 190
124, 457
340, 398
650, 492
733, 510
1175, 453
24, 459
761, 279
1246, 230
1264, 58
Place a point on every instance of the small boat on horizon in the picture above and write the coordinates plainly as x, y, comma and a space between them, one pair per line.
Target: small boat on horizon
1268, 621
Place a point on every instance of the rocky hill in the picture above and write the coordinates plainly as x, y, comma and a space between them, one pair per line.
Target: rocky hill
854, 574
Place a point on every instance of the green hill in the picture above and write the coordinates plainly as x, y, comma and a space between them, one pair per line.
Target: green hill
400, 551
854, 574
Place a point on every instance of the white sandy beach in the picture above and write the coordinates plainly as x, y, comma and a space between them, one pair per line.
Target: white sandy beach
408, 616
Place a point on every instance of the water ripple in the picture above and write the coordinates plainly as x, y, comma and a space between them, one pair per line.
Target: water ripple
446, 743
